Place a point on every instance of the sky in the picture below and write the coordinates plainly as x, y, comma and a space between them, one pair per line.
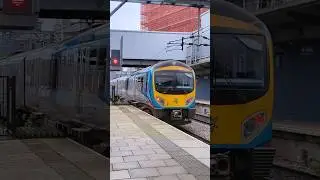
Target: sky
127, 17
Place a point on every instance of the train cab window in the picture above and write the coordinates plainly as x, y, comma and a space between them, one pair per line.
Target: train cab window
174, 82
244, 65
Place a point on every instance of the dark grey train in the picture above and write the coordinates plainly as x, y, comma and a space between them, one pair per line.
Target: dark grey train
69, 77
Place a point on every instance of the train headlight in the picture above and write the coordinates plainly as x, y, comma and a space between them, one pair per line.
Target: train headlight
253, 124
189, 101
160, 101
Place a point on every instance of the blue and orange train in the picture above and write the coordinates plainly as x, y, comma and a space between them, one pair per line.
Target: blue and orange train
166, 90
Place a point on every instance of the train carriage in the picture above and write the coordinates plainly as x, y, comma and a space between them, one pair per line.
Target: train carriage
241, 93
69, 77
165, 90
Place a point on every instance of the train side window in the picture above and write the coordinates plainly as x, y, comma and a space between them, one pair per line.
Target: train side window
142, 84
79, 55
92, 62
93, 53
63, 60
127, 84
102, 56
145, 82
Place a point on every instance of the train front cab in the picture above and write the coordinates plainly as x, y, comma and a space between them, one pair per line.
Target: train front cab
173, 91
242, 94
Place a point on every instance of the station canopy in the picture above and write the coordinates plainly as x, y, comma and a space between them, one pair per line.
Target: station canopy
190, 3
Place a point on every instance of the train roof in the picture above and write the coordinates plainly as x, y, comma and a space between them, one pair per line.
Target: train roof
93, 34
119, 78
227, 9
155, 66
171, 63
19, 56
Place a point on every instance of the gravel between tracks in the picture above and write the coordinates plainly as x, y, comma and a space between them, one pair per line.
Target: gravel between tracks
200, 129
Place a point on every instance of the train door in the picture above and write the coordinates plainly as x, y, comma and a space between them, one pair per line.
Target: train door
138, 87
126, 87
54, 70
145, 84
101, 66
80, 78
141, 87
134, 88
131, 88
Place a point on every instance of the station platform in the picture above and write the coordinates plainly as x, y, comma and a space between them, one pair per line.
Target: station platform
307, 128
146, 148
50, 159
201, 101
202, 109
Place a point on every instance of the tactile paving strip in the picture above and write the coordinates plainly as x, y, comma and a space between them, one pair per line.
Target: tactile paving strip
62, 166
187, 161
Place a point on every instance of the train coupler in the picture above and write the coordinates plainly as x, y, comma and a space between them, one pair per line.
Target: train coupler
220, 165
176, 115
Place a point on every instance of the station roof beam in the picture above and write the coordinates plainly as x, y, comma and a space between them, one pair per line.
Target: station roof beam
202, 68
189, 3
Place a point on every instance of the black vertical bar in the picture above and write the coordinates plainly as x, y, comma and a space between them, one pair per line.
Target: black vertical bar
8, 98
13, 101
3, 95
113, 93
24, 81
54, 67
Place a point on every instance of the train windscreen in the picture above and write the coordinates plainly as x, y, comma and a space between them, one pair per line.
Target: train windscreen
173, 82
240, 61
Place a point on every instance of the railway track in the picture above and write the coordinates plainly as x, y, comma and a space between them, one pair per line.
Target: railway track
198, 128
282, 172
202, 119
193, 134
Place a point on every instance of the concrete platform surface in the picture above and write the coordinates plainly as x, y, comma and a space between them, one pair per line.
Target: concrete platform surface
50, 159
307, 128
200, 101
144, 147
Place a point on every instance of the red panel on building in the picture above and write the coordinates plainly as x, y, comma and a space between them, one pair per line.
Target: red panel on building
21, 7
169, 18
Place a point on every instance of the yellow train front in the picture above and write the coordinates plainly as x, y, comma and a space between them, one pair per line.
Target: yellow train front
242, 93
166, 90
173, 91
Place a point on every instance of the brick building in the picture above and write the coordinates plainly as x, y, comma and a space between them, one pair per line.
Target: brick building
169, 18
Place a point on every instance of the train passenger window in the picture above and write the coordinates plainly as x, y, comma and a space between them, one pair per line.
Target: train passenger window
92, 63
93, 53
145, 84
102, 56
102, 53
142, 84
63, 60
127, 84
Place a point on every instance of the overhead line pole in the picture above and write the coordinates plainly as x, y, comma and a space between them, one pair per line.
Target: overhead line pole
118, 7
